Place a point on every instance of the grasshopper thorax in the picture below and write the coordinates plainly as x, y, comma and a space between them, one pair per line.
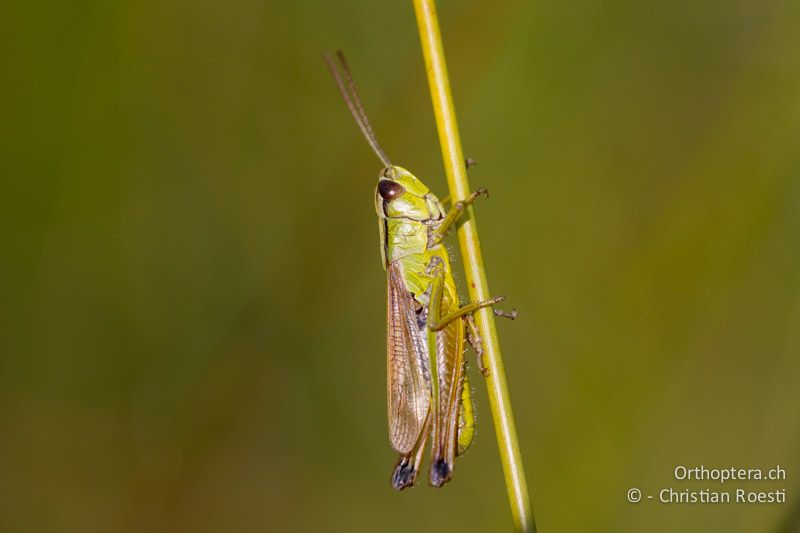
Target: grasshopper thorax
399, 194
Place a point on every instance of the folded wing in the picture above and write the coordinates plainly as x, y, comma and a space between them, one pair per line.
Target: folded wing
408, 377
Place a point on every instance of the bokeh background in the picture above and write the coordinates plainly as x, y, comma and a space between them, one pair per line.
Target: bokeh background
192, 320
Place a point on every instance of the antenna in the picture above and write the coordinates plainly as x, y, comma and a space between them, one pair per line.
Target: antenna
354, 103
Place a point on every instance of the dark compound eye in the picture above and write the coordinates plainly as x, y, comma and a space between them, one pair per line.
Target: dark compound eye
389, 190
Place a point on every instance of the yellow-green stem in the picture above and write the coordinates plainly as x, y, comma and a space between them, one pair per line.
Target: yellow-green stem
473, 265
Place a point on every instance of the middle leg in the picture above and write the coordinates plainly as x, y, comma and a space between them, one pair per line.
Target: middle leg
437, 321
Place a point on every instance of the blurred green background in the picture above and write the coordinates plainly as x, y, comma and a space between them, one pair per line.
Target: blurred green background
192, 329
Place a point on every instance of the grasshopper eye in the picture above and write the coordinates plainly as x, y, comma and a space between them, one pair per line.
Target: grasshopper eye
389, 190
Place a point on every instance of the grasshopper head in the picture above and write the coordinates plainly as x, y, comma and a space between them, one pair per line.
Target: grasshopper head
400, 194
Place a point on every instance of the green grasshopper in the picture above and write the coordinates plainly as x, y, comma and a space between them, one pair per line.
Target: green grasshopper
428, 388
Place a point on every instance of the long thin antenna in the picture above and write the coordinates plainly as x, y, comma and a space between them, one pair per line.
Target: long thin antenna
356, 97
354, 103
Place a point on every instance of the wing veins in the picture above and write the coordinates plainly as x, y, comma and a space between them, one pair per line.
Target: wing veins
409, 386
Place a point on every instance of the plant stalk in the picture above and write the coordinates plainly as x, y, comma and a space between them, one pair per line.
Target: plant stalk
475, 272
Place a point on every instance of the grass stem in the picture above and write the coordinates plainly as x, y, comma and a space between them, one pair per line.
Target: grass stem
475, 271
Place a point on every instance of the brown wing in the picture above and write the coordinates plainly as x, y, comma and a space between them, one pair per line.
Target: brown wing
408, 377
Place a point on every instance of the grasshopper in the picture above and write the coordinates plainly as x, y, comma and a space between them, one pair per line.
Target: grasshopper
429, 396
